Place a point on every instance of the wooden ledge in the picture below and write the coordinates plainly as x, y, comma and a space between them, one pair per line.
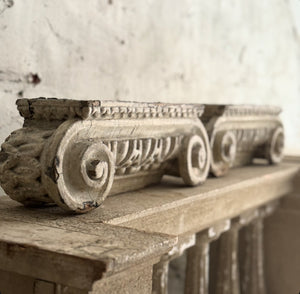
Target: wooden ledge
45, 246
127, 229
175, 209
170, 207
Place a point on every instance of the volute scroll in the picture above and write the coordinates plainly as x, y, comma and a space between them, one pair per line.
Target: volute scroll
275, 146
194, 160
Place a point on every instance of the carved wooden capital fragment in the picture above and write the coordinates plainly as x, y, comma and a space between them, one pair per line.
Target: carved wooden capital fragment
240, 133
75, 153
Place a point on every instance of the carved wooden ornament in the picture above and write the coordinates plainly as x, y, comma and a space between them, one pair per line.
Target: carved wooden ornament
75, 153
240, 133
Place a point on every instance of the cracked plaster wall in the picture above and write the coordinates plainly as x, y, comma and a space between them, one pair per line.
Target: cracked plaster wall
173, 51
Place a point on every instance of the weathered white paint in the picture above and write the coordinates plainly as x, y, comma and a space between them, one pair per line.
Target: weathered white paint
172, 51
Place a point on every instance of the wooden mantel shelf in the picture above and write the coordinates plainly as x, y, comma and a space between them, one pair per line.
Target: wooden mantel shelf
130, 229
174, 209
149, 209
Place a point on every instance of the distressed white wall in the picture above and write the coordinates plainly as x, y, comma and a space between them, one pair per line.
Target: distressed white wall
222, 51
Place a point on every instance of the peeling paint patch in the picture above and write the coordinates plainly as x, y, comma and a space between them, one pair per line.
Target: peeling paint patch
4, 4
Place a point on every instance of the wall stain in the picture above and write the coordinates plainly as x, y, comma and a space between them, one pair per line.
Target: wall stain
9, 76
33, 78
4, 4
120, 41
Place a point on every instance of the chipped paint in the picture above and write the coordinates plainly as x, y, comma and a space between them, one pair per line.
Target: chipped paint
182, 245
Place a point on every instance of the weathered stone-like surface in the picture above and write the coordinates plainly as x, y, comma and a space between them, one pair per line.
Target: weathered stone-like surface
99, 244
75, 153
165, 208
160, 283
170, 210
251, 258
240, 133
56, 246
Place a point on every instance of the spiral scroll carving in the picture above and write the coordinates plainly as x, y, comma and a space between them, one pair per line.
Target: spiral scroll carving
224, 148
226, 145
275, 146
194, 160
86, 174
77, 172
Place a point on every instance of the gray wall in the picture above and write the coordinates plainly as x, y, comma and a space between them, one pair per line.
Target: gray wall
208, 51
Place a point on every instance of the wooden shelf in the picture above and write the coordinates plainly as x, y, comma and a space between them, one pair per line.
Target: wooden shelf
127, 230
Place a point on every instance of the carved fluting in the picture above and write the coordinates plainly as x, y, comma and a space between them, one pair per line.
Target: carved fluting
95, 148
238, 134
161, 269
197, 267
224, 268
252, 258
249, 139
226, 256
132, 156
